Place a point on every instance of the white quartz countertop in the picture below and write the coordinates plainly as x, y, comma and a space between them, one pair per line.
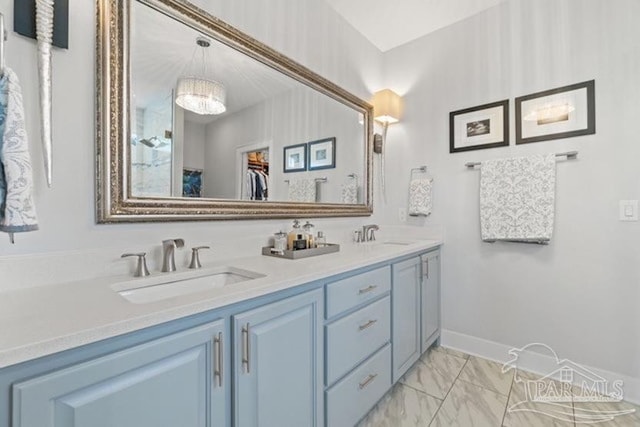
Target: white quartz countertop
44, 320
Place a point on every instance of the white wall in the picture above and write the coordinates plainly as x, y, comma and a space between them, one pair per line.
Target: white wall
580, 294
194, 144
66, 212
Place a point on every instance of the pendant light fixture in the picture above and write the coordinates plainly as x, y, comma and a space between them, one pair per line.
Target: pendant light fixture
198, 93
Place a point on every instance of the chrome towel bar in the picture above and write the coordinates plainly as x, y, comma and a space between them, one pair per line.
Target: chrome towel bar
570, 155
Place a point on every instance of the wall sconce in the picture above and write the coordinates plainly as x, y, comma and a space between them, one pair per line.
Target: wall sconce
387, 109
387, 106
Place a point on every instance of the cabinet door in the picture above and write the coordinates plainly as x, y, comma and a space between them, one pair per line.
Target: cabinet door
278, 363
406, 315
430, 298
166, 382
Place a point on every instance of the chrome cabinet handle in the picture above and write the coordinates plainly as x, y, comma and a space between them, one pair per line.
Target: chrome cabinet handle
218, 363
245, 348
367, 325
367, 381
426, 268
367, 289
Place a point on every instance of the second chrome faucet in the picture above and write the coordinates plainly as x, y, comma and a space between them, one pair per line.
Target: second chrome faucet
367, 234
168, 254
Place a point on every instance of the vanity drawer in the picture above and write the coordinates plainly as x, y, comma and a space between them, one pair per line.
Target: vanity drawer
355, 337
351, 399
352, 291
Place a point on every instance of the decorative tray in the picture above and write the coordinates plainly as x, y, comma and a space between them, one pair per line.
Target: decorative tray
303, 253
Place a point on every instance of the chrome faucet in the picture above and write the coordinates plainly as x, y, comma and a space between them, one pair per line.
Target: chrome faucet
168, 254
368, 232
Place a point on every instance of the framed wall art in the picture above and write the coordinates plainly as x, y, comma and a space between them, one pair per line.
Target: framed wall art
322, 154
295, 158
191, 182
485, 126
557, 113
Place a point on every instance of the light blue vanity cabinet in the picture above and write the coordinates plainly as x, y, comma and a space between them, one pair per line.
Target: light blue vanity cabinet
172, 381
358, 352
416, 309
278, 356
430, 331
406, 315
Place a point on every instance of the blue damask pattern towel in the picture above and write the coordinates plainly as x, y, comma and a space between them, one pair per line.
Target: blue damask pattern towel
17, 210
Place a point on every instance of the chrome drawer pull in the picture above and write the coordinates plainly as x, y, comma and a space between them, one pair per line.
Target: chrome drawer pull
367, 289
218, 360
367, 325
245, 348
367, 381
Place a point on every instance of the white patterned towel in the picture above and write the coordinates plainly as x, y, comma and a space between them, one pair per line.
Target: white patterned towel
517, 199
420, 200
302, 190
17, 210
350, 191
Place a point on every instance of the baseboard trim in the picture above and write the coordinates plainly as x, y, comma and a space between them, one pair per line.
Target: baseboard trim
530, 361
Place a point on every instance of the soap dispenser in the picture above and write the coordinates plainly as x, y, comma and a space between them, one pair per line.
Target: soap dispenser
309, 234
293, 235
279, 243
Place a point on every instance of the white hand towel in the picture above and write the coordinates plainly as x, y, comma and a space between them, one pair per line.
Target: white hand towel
350, 191
302, 190
517, 199
420, 200
17, 210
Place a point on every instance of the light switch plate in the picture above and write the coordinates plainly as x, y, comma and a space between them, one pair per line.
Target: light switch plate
628, 210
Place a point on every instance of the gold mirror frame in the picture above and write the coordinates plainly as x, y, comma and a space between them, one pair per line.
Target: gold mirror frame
113, 203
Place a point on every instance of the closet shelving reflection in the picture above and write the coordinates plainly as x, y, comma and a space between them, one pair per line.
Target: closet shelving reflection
261, 166
257, 176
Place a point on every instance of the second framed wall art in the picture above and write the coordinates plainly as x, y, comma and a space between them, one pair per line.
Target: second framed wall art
557, 113
322, 154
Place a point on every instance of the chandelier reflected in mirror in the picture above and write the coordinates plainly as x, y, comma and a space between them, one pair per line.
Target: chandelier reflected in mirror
197, 92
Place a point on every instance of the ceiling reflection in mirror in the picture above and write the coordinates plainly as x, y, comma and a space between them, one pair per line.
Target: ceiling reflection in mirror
278, 140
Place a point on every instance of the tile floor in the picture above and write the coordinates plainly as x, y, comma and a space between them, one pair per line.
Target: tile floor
449, 388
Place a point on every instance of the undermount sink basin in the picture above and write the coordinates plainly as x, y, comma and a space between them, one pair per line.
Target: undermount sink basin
169, 285
398, 242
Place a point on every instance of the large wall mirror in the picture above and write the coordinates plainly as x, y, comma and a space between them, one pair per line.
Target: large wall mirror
197, 120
